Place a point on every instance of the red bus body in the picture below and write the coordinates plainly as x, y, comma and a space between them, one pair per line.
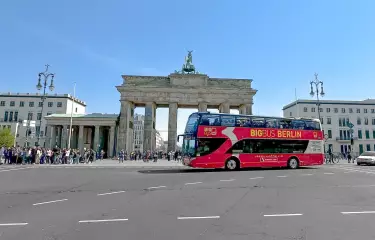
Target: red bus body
312, 155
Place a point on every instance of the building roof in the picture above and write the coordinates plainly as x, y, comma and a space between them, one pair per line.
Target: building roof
366, 102
38, 95
90, 115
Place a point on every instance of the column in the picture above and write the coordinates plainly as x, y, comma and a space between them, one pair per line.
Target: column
246, 109
111, 141
81, 139
149, 137
125, 130
202, 107
224, 108
64, 136
96, 138
52, 142
172, 127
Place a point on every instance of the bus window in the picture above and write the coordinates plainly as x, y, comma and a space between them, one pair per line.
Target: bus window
298, 124
210, 120
209, 145
243, 121
312, 125
227, 121
258, 122
285, 123
272, 123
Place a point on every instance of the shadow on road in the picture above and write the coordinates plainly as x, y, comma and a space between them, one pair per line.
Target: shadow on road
196, 170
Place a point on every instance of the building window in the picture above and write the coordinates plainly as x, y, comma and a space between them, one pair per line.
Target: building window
320, 109
340, 122
329, 133
366, 121
343, 110
350, 110
2, 103
50, 104
373, 134
40, 104
372, 110
49, 113
321, 121
305, 109
328, 109
30, 116
59, 104
313, 109
368, 148
37, 130
290, 113
367, 133
12, 103
359, 134
38, 116
358, 110
365, 110
31, 104
10, 116
41, 133
15, 116
6, 116
359, 121
22, 104
336, 110
360, 148
76, 109
328, 120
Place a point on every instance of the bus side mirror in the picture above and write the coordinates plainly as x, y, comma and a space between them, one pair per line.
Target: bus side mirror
178, 137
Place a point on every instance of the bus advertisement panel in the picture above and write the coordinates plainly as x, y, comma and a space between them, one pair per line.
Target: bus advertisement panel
237, 141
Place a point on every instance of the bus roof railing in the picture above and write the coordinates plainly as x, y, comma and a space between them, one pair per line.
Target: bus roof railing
302, 118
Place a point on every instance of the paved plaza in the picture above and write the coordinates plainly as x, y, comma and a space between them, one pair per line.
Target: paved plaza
325, 202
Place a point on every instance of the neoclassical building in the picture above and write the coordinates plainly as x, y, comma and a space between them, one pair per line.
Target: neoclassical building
182, 89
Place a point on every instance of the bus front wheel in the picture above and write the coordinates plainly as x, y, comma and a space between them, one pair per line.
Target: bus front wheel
293, 163
232, 164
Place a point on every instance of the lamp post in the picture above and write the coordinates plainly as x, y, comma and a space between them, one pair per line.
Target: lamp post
317, 83
39, 86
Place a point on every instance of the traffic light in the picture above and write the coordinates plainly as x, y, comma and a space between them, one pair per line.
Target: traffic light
351, 141
29, 132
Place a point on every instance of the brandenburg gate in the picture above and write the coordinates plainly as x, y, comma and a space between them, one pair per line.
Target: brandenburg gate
182, 89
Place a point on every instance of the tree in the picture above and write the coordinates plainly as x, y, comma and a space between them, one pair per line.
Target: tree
6, 138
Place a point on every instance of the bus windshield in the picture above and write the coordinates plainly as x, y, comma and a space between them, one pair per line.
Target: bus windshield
192, 124
188, 146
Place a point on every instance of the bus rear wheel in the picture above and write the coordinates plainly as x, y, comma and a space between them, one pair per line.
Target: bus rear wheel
293, 163
232, 164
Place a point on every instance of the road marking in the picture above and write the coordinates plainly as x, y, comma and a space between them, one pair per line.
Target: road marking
192, 183
109, 193
256, 178
282, 176
347, 213
13, 169
13, 224
354, 170
206, 217
227, 180
328, 173
156, 187
307, 174
104, 220
283, 215
41, 203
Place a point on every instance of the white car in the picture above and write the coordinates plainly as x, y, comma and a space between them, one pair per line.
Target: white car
367, 158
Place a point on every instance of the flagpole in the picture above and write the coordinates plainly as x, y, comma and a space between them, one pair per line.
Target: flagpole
71, 116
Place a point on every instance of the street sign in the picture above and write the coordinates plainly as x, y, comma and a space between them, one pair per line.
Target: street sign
32, 123
24, 123
350, 125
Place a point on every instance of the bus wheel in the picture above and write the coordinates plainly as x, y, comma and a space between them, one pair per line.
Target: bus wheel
232, 164
293, 163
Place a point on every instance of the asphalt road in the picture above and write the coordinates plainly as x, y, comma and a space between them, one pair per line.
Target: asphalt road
326, 202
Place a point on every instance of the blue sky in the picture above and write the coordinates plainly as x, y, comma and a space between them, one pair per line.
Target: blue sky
278, 43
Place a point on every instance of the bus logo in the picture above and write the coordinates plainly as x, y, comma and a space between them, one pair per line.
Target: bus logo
315, 135
210, 131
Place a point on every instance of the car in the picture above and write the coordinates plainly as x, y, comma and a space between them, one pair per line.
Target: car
367, 158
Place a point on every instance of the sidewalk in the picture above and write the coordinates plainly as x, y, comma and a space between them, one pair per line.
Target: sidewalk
109, 163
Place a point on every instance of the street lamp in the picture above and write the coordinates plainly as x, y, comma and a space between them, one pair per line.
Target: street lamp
39, 86
317, 83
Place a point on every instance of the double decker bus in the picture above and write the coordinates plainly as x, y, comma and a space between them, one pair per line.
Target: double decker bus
234, 141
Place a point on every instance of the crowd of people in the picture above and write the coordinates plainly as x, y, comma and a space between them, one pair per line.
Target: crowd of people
40, 155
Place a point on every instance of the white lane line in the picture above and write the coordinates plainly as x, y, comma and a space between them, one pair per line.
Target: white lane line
156, 187
104, 220
206, 217
255, 178
307, 174
192, 183
282, 176
283, 215
354, 170
13, 169
328, 173
227, 180
363, 212
13, 224
41, 203
109, 193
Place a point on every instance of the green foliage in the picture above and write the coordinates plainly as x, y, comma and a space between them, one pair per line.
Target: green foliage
6, 137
